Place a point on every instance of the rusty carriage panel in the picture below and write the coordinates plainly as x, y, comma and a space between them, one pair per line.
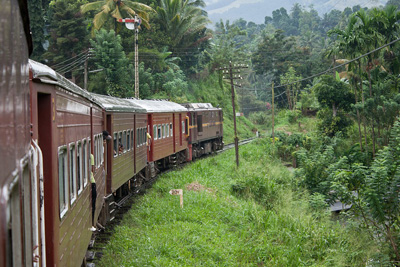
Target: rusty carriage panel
68, 128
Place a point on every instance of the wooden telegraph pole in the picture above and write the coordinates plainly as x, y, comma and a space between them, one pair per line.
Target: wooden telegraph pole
233, 74
273, 114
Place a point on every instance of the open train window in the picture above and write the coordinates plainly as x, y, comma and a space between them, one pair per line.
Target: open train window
170, 129
163, 130
128, 140
167, 130
199, 123
72, 172
79, 166
139, 139
62, 180
120, 145
124, 141
84, 163
144, 136
115, 144
132, 139
155, 132
101, 146
159, 131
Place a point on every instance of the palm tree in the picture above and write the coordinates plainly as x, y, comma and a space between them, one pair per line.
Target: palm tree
109, 11
348, 43
182, 19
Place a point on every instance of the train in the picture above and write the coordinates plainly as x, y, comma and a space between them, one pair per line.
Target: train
67, 155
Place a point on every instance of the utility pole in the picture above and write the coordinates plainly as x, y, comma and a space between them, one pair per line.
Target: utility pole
273, 114
233, 74
133, 24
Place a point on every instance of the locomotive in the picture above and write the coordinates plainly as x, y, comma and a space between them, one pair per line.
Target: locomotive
67, 154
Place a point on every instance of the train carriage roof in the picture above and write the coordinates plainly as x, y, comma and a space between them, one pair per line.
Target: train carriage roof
110, 103
47, 75
158, 106
199, 106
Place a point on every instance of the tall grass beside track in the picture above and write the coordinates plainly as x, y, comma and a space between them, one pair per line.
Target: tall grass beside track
250, 216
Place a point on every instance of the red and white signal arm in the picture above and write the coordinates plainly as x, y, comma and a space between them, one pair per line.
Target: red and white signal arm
130, 22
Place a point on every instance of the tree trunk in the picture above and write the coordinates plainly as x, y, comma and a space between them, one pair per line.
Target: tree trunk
362, 101
334, 110
372, 121
358, 116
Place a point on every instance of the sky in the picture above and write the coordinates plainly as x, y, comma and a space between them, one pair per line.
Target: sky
256, 10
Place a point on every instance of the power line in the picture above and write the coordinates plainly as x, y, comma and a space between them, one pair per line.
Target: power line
339, 66
86, 51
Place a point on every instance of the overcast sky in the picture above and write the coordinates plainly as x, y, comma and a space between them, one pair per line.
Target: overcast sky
256, 10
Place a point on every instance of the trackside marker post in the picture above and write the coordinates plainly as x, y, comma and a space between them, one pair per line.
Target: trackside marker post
179, 192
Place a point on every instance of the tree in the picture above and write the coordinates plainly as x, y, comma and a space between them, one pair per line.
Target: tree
110, 57
68, 40
184, 21
292, 88
109, 11
37, 22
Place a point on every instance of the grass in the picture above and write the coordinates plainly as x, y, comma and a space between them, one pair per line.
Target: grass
250, 216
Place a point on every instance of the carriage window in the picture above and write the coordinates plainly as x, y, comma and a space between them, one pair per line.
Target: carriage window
79, 167
128, 140
120, 145
124, 141
155, 132
101, 146
72, 172
199, 123
132, 138
170, 129
183, 126
95, 150
89, 164
144, 136
115, 145
164, 131
167, 130
84, 161
137, 138
62, 180
159, 131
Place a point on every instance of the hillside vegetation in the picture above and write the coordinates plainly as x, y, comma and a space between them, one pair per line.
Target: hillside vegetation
251, 216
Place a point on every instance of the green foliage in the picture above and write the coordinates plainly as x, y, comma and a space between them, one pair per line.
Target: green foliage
68, 34
111, 58
37, 21
378, 196
217, 228
330, 125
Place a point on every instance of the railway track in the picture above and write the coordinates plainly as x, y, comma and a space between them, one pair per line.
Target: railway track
102, 236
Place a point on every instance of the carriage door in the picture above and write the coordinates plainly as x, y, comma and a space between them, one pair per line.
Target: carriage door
180, 129
46, 112
153, 134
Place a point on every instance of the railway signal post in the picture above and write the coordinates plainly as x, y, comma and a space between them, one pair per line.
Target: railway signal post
133, 24
233, 73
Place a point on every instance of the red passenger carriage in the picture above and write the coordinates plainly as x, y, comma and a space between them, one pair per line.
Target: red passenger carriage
19, 221
167, 126
68, 128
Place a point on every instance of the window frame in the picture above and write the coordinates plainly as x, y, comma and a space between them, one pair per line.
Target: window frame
79, 172
72, 172
63, 150
155, 132
85, 160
